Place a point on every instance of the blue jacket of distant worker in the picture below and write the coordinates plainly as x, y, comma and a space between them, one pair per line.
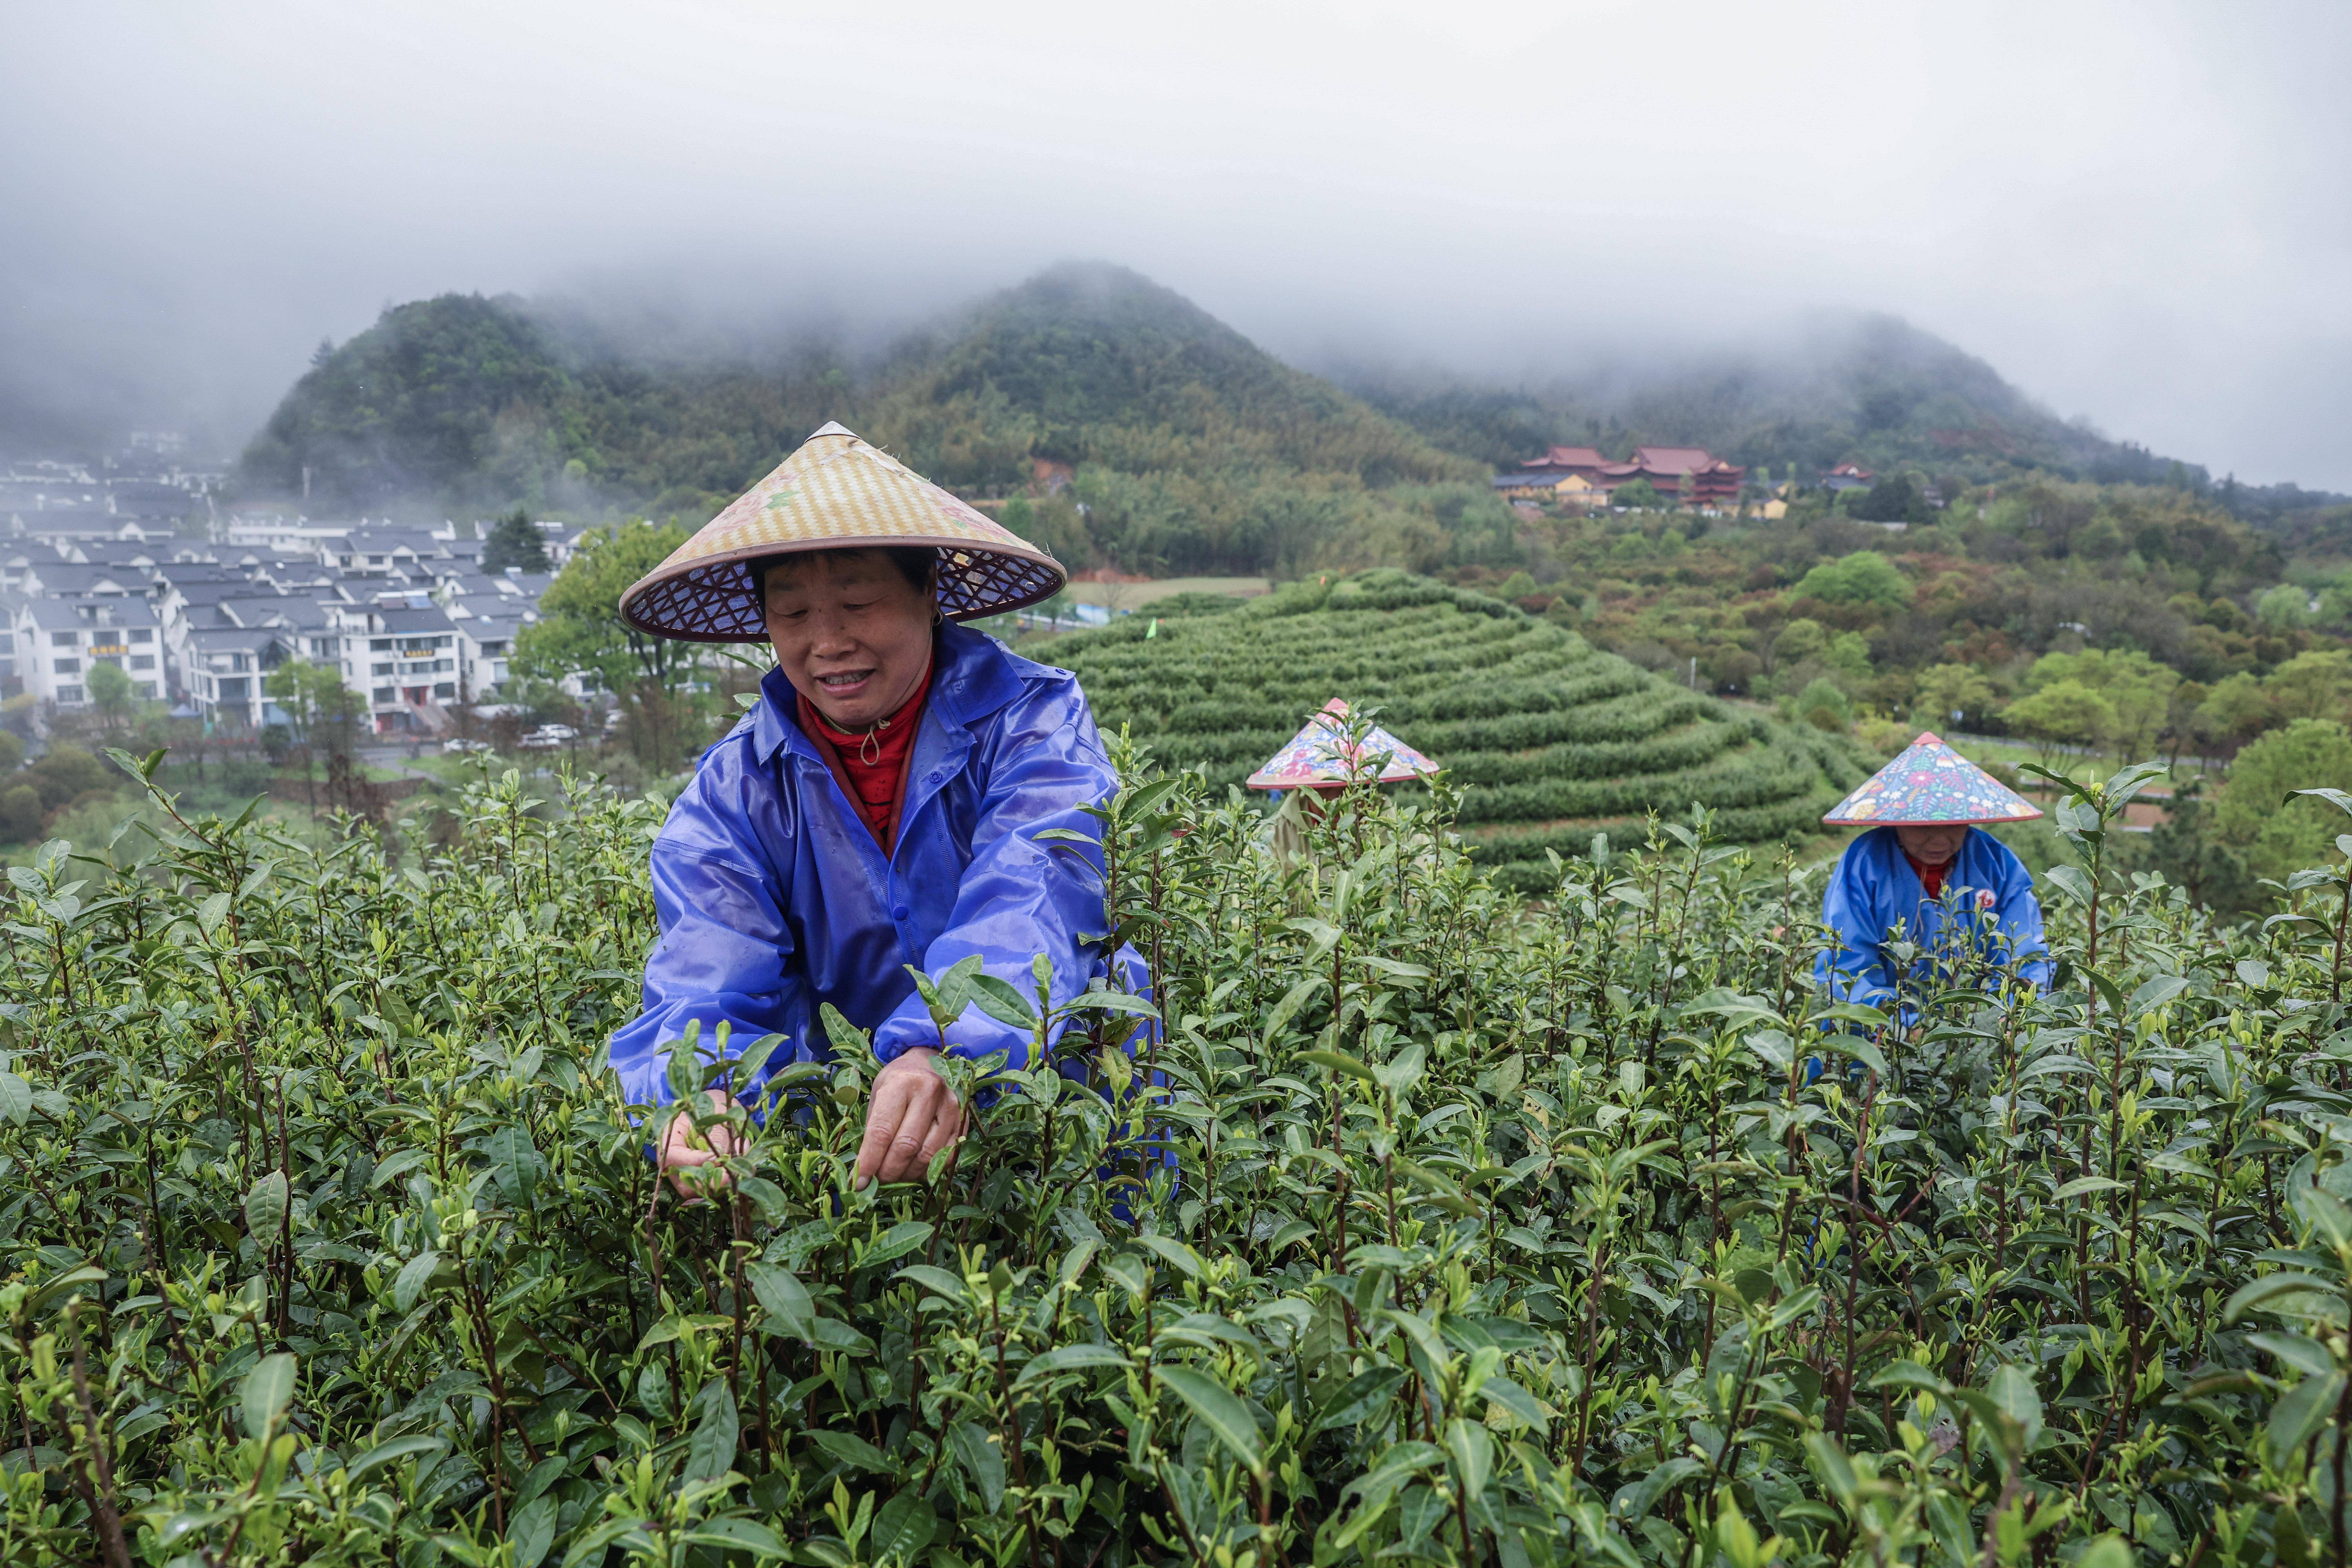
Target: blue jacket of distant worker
774, 898
1987, 914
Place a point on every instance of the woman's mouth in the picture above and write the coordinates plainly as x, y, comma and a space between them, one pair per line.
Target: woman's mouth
844, 681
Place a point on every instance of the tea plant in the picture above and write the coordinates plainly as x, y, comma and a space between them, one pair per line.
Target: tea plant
1420, 1224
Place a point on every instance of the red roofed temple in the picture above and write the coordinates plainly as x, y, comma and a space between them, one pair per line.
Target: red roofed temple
1712, 481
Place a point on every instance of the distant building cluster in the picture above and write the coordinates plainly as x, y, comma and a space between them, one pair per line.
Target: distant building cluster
197, 605
1581, 477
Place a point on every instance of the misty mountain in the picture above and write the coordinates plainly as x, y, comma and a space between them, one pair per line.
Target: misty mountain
463, 402
1153, 436
1870, 389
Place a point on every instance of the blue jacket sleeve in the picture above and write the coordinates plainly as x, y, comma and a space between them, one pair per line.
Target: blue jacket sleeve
1017, 897
1853, 967
725, 949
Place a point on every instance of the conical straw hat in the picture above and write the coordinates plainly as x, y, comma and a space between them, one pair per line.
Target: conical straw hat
1930, 784
834, 493
1320, 754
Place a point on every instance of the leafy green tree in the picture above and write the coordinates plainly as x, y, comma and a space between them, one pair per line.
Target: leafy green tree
580, 626
1864, 577
1637, 495
1517, 587
20, 813
579, 629
12, 751
1823, 705
1951, 694
308, 695
514, 540
65, 774
2064, 712
2137, 687
1801, 639
1895, 499
2284, 608
2185, 848
2256, 814
317, 705
2237, 709
1848, 654
109, 693
2314, 684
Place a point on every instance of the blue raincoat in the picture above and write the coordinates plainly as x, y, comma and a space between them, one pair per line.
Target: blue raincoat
1875, 887
774, 898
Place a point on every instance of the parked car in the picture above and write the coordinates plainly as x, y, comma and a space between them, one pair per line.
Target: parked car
547, 736
461, 746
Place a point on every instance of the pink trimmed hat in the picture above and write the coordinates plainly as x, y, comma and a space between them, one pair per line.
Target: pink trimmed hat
1320, 757
1930, 784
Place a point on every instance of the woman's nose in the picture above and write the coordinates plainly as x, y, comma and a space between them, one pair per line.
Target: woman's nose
831, 636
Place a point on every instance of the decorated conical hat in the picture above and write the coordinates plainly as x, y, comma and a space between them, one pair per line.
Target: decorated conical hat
1320, 754
834, 493
1930, 784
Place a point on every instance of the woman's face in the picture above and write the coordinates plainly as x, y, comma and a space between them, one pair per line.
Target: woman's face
1932, 845
851, 634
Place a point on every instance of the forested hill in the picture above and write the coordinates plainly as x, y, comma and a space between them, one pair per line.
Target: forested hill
1872, 389
1195, 448
1096, 364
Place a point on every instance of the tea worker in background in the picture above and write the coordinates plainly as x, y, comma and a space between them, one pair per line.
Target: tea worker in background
1959, 895
877, 807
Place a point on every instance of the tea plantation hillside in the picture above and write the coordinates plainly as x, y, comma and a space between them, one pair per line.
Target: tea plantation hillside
1553, 739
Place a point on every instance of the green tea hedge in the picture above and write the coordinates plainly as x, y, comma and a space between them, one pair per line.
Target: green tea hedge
1501, 1235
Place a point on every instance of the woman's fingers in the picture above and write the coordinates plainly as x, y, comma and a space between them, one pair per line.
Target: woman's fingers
897, 1119
682, 1148
947, 1126
909, 1118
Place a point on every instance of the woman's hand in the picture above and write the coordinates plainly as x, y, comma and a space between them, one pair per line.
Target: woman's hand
910, 1117
682, 1148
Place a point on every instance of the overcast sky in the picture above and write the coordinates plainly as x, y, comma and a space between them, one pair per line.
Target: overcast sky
2137, 212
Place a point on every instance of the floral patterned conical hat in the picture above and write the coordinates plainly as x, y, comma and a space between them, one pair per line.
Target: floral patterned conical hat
1930, 784
834, 493
1320, 756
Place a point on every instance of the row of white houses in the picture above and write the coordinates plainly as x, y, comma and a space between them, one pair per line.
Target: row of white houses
407, 618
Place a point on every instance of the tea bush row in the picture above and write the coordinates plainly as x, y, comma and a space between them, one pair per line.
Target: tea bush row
1518, 856
1747, 777
1585, 741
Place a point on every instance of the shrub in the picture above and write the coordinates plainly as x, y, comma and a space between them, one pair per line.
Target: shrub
66, 774
1864, 577
1637, 495
20, 813
2254, 816
1823, 706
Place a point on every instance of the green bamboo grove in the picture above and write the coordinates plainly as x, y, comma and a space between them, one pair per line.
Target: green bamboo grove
1508, 1233
1552, 739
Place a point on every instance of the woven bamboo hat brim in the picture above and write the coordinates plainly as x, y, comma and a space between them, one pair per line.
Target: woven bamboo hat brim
834, 493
